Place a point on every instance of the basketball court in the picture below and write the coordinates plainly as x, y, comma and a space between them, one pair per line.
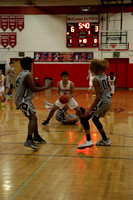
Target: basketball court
58, 170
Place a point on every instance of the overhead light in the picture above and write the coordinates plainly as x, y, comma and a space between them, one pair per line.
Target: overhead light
85, 9
29, 3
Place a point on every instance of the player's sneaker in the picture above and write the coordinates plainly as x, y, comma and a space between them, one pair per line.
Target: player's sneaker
6, 102
93, 96
85, 144
8, 96
104, 143
30, 143
48, 105
45, 123
2, 104
38, 139
87, 94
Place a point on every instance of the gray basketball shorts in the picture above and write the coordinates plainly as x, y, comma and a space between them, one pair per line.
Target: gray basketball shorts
27, 108
101, 108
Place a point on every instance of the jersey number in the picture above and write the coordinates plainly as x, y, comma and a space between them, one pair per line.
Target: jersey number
105, 84
18, 82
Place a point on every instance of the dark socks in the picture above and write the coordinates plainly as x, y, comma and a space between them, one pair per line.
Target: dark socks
88, 137
36, 134
29, 137
48, 119
104, 136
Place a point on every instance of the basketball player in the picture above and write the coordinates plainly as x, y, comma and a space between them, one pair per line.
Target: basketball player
100, 105
11, 77
24, 89
91, 88
62, 115
112, 82
2, 89
64, 87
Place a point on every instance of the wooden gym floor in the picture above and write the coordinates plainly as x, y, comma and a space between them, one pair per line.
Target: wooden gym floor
58, 171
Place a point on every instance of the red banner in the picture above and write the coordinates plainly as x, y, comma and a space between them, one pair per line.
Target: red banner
4, 39
20, 22
4, 22
12, 39
0, 38
12, 23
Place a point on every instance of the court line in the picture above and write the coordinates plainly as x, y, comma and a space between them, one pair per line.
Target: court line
36, 172
18, 143
16, 132
64, 156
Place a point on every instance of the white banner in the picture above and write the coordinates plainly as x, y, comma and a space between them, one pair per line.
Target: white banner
82, 18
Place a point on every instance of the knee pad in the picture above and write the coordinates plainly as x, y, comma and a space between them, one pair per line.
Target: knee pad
97, 123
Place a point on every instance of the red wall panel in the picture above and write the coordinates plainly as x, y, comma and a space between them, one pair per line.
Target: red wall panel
130, 76
77, 72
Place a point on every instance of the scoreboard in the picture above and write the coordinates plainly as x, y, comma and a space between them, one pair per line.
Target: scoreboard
82, 31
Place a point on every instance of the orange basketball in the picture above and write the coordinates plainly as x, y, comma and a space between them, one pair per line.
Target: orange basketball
64, 99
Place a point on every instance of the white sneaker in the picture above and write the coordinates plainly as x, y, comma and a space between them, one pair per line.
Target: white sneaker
104, 143
85, 144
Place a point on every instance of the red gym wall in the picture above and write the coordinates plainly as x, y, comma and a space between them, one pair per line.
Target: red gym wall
130, 76
78, 72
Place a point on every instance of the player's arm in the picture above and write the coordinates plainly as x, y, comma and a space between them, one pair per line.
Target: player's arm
7, 81
71, 90
109, 82
29, 83
87, 77
58, 89
97, 93
8, 72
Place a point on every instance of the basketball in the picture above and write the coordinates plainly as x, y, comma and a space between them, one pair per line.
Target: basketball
64, 99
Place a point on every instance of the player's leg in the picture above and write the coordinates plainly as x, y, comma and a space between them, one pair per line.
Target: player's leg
31, 128
3, 95
51, 113
78, 112
88, 142
9, 90
2, 99
28, 109
11, 87
99, 111
37, 138
72, 104
105, 141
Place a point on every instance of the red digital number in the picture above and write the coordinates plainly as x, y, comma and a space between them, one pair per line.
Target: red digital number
96, 28
72, 29
95, 40
87, 25
84, 25
84, 40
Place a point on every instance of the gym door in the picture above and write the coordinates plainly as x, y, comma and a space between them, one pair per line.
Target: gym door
119, 67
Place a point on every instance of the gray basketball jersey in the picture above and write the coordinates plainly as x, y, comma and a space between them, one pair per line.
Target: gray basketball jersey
22, 94
104, 86
59, 116
11, 78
